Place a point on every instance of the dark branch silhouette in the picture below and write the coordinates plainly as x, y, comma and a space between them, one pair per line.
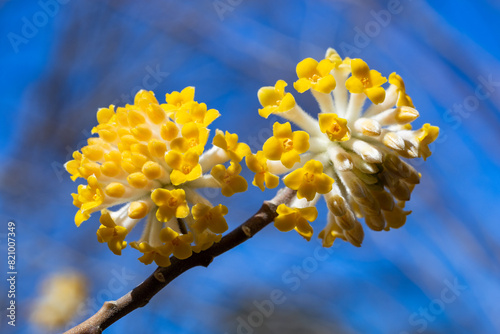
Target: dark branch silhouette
111, 311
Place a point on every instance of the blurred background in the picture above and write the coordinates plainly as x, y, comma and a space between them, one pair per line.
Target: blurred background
62, 60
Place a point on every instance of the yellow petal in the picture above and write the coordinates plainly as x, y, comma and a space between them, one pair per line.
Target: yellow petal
174, 159
182, 211
306, 190
300, 141
160, 196
182, 251
376, 94
359, 68
219, 140
324, 67
354, 85
325, 85
294, 179
177, 177
304, 229
309, 213
288, 159
272, 181
306, 68
302, 85
259, 180
376, 78
284, 223
287, 103
272, 148
268, 96
282, 131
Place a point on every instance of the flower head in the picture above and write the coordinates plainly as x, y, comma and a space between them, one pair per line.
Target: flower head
334, 127
403, 99
286, 145
309, 180
112, 234
229, 143
296, 219
229, 179
354, 155
150, 159
210, 218
274, 99
258, 164
314, 75
364, 80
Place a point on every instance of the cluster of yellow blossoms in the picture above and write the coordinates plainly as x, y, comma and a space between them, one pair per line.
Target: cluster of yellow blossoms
351, 154
151, 159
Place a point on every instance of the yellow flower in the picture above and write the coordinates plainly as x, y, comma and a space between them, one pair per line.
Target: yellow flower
150, 160
334, 127
73, 166
315, 75
194, 137
425, 136
330, 233
364, 80
286, 145
185, 166
111, 233
258, 164
229, 143
171, 203
361, 148
274, 99
210, 217
89, 199
159, 254
333, 56
297, 219
62, 295
205, 240
177, 100
229, 179
403, 99
197, 113
309, 180
180, 243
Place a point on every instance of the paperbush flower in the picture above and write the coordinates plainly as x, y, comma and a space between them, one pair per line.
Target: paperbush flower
150, 159
296, 219
352, 154
61, 298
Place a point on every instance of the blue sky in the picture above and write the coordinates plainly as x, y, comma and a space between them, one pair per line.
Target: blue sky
60, 62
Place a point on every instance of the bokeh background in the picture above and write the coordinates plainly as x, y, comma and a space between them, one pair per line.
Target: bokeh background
61, 61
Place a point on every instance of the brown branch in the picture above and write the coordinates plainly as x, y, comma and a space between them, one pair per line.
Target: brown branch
162, 276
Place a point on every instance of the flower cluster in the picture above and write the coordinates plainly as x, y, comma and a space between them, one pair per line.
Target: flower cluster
351, 154
150, 158
61, 297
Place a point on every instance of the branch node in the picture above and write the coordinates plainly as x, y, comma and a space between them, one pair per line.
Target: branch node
110, 305
159, 276
247, 231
